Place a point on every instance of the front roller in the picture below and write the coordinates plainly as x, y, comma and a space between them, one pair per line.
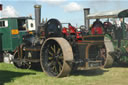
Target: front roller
109, 48
19, 58
56, 56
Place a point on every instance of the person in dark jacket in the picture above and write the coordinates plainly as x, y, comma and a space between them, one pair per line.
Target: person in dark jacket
97, 27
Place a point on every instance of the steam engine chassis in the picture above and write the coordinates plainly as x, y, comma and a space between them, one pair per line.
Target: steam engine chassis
59, 54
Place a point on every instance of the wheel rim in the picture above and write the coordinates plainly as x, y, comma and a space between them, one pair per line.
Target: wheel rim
53, 58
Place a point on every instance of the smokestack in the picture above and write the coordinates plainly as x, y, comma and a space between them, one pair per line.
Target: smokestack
86, 21
37, 17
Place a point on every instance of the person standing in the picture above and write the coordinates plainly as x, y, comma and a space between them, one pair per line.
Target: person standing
120, 31
97, 27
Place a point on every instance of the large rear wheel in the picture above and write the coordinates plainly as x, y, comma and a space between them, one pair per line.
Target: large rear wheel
109, 48
56, 57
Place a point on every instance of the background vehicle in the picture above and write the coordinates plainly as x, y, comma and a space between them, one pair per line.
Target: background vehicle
117, 35
11, 31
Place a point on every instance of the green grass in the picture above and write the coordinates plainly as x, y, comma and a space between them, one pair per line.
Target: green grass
10, 75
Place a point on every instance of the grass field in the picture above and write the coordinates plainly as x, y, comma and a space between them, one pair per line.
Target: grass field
9, 75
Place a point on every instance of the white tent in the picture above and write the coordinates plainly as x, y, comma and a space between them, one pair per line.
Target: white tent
109, 14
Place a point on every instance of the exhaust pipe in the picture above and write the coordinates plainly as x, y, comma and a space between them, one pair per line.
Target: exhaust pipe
86, 21
37, 17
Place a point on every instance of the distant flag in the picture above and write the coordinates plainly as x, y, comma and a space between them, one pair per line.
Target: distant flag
0, 7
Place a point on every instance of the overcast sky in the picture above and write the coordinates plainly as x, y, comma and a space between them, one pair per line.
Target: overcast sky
64, 10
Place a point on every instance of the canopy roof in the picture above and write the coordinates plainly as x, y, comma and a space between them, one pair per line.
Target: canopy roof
15, 17
110, 14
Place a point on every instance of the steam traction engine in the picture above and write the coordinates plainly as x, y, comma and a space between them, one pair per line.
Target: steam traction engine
58, 53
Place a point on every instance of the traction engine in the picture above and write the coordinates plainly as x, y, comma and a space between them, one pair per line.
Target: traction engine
60, 50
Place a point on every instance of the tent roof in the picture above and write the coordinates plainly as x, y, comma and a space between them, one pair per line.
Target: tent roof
110, 14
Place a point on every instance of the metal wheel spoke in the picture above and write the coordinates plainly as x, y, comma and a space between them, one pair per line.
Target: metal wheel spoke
61, 56
54, 48
55, 69
60, 66
50, 53
55, 66
58, 50
50, 63
50, 58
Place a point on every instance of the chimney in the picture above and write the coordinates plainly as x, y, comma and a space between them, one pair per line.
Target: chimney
37, 17
86, 21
